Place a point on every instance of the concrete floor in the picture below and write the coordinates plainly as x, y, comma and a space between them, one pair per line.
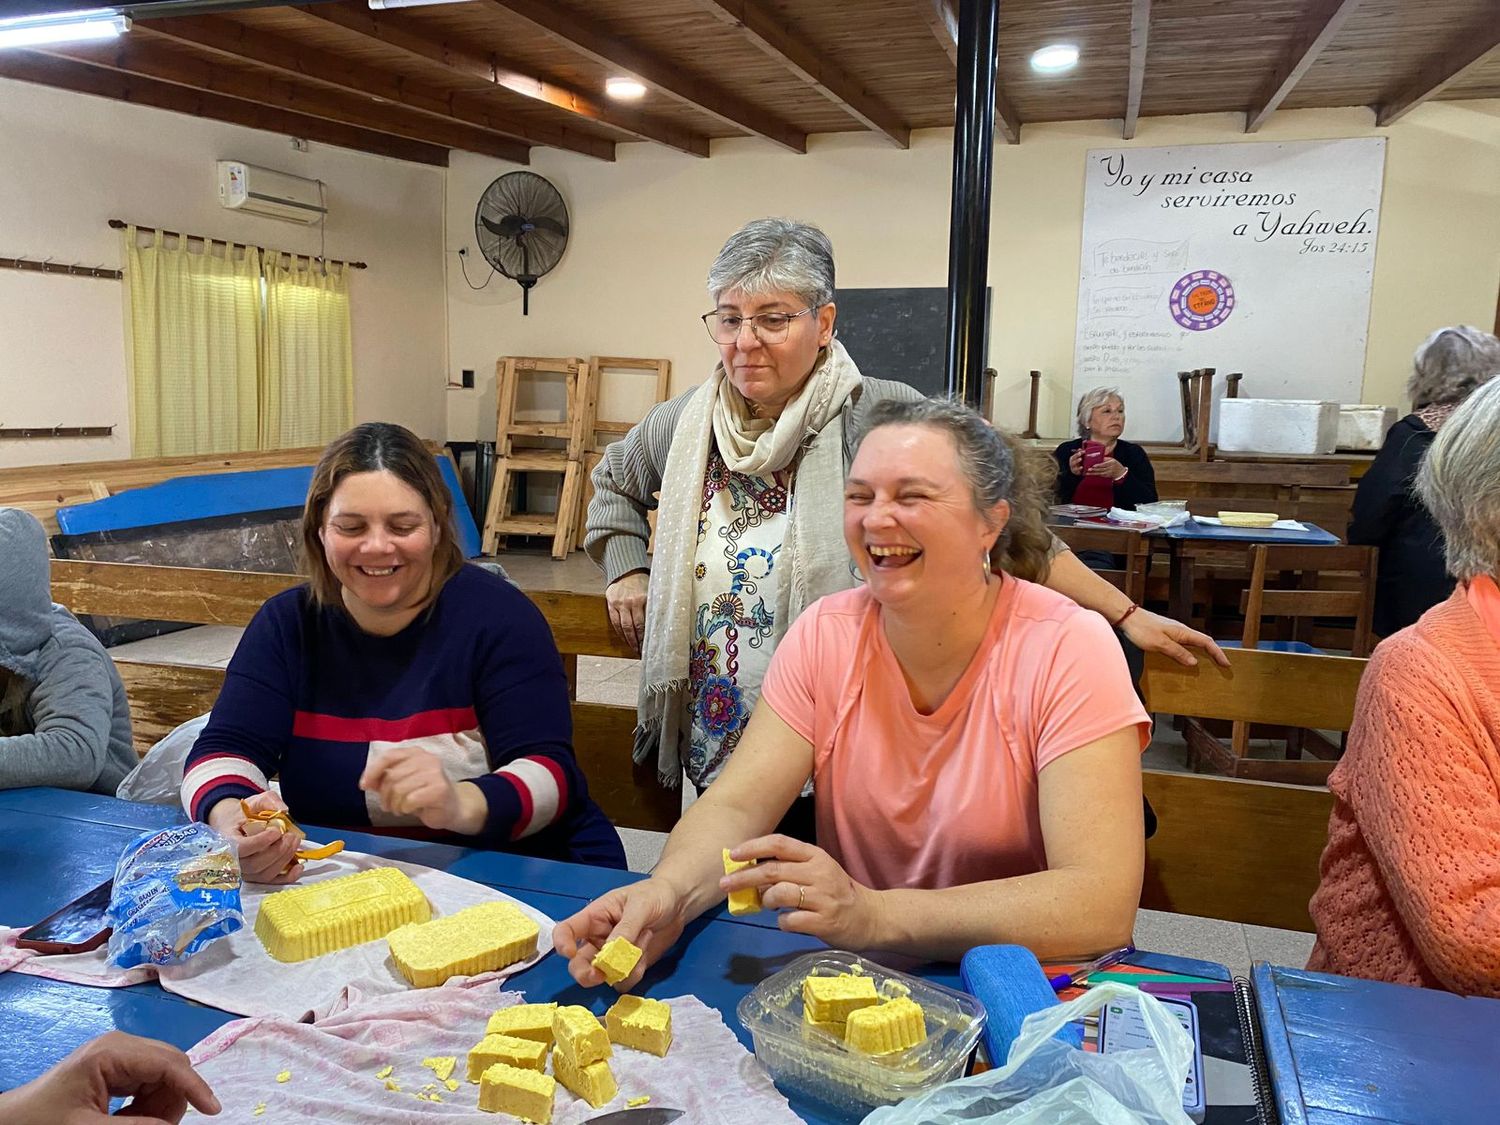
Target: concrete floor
608, 680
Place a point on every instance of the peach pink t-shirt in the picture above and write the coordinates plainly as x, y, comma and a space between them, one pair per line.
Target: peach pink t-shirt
940, 800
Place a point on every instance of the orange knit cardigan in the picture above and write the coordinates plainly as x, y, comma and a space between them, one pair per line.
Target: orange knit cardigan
1410, 888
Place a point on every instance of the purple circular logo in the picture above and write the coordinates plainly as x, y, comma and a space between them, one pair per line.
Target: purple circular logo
1202, 300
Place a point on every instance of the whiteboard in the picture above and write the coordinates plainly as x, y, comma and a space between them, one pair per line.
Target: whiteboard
1243, 257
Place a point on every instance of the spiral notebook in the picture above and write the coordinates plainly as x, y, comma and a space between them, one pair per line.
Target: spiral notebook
1328, 1050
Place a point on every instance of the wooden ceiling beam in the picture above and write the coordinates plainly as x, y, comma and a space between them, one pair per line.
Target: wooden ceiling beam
942, 18
398, 32
1318, 28
323, 68
1443, 69
141, 57
769, 33
1140, 29
586, 37
63, 74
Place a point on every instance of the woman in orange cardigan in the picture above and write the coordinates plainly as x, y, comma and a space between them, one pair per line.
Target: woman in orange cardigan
1410, 887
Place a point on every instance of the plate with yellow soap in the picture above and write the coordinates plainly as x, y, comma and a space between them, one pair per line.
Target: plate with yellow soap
307, 947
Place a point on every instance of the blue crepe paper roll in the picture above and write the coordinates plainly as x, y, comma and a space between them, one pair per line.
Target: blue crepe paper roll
1009, 982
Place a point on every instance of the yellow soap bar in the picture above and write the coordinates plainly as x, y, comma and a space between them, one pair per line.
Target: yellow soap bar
520, 1093
831, 999
527, 1054
319, 918
892, 1026
476, 940
524, 1021
635, 1021
1247, 519
833, 1028
594, 1083
579, 1035
748, 900
616, 960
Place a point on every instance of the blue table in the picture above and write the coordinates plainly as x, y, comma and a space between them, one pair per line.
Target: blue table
1187, 539
54, 845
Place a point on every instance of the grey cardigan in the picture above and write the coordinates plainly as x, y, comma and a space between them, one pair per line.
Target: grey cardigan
627, 479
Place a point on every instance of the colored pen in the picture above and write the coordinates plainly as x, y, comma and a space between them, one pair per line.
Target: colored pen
1089, 968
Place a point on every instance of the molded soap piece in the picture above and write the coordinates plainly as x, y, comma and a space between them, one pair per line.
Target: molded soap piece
594, 1083
616, 960
643, 1024
748, 900
524, 1021
527, 1054
578, 1035
318, 918
832, 999
478, 939
892, 1026
520, 1093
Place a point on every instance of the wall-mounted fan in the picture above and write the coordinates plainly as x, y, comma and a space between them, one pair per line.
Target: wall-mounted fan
521, 225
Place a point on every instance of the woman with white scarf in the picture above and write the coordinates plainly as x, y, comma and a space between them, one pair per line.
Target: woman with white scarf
749, 468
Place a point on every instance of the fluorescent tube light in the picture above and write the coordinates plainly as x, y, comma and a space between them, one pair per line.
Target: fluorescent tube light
68, 27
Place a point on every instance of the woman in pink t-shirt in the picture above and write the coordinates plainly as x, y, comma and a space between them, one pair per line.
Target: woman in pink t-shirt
974, 740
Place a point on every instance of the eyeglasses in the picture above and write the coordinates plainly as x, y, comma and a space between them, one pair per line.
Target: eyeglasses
767, 327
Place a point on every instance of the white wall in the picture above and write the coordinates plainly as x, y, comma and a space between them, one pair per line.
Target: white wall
645, 229
70, 162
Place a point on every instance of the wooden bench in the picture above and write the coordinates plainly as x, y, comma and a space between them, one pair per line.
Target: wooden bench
1245, 851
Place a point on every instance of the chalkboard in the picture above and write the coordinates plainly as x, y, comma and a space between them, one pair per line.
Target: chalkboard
899, 334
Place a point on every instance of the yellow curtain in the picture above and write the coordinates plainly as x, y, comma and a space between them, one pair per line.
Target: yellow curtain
193, 348
307, 373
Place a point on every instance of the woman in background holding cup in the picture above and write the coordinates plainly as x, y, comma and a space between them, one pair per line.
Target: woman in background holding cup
1098, 468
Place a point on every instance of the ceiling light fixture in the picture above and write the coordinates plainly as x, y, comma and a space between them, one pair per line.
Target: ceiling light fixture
66, 27
1055, 58
624, 89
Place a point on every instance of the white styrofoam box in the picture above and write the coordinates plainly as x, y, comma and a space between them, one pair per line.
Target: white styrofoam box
1363, 427
1278, 425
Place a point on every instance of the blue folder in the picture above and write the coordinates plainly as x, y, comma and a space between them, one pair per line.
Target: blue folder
1340, 1051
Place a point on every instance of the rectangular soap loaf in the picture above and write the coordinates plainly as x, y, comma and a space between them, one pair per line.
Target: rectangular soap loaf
594, 1083
318, 918
616, 960
635, 1021
524, 1021
520, 1093
527, 1054
748, 900
892, 1026
831, 999
580, 1036
478, 939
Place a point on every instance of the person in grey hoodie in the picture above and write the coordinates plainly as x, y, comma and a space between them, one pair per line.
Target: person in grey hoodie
64, 719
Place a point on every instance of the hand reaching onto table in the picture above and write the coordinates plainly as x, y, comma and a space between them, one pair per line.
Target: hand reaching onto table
647, 914
77, 1091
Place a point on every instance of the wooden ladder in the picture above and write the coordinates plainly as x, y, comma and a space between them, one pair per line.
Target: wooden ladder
599, 432
499, 520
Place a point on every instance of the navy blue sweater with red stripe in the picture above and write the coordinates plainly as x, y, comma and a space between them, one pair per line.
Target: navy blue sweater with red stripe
476, 680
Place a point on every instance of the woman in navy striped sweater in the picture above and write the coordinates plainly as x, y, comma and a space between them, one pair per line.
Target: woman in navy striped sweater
400, 690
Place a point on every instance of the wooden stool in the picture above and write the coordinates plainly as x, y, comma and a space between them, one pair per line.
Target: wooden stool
567, 462
602, 432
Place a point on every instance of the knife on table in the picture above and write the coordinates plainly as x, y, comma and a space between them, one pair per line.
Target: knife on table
643, 1115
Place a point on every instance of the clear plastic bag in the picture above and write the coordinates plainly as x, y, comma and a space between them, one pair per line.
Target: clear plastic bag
1047, 1082
157, 777
176, 890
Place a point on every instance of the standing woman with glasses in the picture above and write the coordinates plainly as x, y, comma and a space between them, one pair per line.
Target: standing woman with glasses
749, 468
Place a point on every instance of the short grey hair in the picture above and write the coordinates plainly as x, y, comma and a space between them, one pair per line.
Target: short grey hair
1450, 363
1459, 481
775, 256
1092, 401
983, 454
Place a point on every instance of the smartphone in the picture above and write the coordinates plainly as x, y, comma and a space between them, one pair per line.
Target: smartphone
1093, 453
1122, 1029
76, 928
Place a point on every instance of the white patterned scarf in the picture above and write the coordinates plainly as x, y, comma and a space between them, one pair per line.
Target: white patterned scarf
813, 562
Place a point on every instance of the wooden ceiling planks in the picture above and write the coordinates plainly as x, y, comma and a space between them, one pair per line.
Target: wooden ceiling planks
498, 76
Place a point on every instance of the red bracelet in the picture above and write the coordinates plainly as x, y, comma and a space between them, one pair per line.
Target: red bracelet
1127, 613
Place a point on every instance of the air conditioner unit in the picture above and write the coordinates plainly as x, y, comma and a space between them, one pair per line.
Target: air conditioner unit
262, 191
